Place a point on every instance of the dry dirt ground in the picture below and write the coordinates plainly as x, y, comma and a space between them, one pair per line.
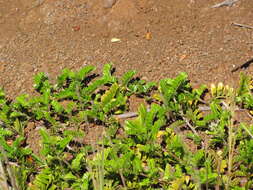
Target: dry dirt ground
159, 38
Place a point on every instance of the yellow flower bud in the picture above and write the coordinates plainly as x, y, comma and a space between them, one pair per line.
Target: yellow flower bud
213, 89
219, 152
220, 88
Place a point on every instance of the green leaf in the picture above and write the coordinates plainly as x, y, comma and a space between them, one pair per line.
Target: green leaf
153, 170
69, 177
66, 93
109, 94
81, 75
44, 179
169, 87
49, 118
127, 77
93, 86
137, 165
70, 107
148, 86
46, 140
150, 116
39, 79
18, 126
168, 172
65, 75
199, 91
57, 106
119, 102
22, 101
107, 73
216, 109
142, 113
5, 145
156, 127
62, 144
45, 98
4, 114
76, 163
135, 127
2, 94
16, 114
177, 124
146, 126
244, 85
5, 132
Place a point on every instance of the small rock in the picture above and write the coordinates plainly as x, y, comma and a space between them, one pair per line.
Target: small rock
2, 67
109, 3
115, 40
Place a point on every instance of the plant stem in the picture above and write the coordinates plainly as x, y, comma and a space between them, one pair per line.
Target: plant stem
122, 179
231, 140
9, 169
3, 179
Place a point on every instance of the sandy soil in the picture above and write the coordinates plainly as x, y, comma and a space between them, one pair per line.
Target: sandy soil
159, 38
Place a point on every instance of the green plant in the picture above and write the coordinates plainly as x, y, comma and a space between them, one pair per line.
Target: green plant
179, 140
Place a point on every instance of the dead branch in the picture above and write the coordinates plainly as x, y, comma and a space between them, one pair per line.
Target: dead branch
225, 3
242, 25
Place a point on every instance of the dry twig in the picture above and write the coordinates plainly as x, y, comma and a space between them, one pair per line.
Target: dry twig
225, 3
242, 25
3, 179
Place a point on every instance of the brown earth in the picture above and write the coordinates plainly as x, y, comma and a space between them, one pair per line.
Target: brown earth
159, 38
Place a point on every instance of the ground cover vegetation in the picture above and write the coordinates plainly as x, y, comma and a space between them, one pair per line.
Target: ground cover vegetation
181, 138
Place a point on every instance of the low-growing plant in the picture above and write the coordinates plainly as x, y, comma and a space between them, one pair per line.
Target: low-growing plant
179, 140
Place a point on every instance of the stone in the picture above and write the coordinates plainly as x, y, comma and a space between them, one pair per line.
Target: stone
109, 3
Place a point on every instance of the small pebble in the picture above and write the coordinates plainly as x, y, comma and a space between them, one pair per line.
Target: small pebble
109, 3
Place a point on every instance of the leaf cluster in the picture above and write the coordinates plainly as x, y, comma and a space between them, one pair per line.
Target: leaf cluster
179, 140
